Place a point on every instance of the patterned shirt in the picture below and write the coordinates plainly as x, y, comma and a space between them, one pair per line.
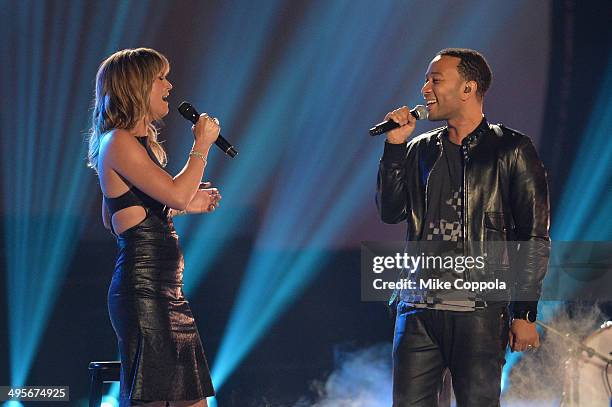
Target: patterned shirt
443, 224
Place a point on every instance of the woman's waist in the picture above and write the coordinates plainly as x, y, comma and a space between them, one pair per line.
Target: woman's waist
149, 239
154, 226
145, 233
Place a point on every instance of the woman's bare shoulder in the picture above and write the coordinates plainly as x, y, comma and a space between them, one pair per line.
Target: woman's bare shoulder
117, 136
118, 140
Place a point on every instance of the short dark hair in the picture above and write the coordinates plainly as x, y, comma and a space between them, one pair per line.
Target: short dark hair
473, 67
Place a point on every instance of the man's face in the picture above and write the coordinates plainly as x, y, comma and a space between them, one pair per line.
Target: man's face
443, 88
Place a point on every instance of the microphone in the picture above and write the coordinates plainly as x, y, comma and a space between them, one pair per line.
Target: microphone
189, 113
419, 112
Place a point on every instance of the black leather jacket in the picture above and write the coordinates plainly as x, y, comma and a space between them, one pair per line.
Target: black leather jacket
505, 195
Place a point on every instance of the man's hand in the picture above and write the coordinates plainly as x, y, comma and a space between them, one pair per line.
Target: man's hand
407, 124
205, 200
523, 335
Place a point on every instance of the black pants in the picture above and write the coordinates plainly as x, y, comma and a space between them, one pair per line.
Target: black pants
472, 345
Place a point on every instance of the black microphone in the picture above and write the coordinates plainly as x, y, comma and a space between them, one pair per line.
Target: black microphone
189, 113
419, 112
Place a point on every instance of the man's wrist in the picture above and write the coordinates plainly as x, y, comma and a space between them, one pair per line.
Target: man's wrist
529, 316
527, 310
394, 152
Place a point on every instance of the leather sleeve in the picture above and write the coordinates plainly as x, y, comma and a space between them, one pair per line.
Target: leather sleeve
391, 191
531, 213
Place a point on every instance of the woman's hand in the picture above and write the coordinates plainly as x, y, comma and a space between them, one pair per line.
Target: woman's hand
206, 131
205, 200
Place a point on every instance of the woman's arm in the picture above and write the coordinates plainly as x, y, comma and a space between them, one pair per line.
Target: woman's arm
205, 200
125, 155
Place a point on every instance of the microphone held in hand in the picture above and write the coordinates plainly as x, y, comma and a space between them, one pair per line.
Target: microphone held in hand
419, 112
189, 113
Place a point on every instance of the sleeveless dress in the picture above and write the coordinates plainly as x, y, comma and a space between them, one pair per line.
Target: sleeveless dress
161, 353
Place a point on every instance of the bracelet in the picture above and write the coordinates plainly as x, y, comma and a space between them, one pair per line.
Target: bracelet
194, 153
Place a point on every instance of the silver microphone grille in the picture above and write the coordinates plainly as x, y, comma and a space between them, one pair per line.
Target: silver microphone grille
421, 112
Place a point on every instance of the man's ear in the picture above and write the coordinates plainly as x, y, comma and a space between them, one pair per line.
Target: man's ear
470, 89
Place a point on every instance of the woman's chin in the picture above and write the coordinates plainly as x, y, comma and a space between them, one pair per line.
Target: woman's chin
161, 115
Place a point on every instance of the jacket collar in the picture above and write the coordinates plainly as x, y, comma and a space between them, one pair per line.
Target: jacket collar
470, 141
474, 136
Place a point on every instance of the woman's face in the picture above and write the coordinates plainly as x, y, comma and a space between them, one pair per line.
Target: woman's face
158, 100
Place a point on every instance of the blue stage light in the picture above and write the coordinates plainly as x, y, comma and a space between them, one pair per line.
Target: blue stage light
44, 182
318, 190
109, 401
585, 206
588, 185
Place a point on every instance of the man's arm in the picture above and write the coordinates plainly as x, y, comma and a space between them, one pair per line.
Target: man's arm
531, 213
391, 193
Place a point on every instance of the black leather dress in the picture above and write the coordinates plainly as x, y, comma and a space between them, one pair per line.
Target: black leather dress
161, 353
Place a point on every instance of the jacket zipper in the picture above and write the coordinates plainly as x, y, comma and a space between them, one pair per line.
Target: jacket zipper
427, 181
464, 205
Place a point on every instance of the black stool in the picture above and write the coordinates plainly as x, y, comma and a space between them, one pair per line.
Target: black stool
100, 373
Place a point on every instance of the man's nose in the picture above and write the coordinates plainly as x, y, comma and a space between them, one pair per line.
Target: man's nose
425, 89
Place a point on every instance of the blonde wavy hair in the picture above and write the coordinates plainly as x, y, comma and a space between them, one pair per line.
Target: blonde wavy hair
123, 87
